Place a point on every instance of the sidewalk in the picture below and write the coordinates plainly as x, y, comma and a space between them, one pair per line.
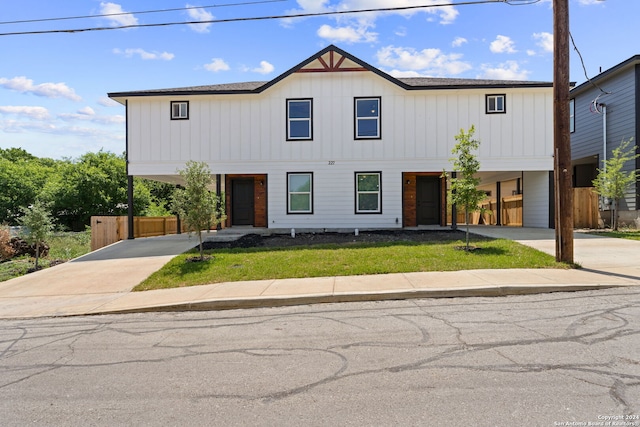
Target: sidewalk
100, 282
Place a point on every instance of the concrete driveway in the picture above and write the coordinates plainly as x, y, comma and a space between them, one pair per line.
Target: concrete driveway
605, 254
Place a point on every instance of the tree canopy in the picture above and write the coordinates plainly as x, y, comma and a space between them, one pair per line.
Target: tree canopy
74, 189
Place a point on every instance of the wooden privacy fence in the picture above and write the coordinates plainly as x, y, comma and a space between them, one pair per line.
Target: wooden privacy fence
585, 208
510, 211
106, 230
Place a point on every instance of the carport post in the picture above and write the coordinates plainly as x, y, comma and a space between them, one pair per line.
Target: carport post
130, 207
454, 209
129, 177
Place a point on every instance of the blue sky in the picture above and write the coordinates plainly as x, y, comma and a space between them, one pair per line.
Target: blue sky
53, 87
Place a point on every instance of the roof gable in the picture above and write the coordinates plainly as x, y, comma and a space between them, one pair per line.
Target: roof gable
333, 59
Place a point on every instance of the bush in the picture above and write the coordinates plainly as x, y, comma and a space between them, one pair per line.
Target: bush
6, 249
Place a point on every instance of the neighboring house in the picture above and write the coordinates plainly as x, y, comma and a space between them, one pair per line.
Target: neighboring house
604, 112
334, 143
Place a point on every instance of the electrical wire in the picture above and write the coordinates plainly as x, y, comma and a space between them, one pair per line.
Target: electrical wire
259, 18
107, 15
595, 106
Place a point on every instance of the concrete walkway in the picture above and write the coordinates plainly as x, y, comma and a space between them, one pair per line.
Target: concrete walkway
100, 282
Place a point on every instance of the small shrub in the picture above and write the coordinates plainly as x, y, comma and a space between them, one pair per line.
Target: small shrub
6, 249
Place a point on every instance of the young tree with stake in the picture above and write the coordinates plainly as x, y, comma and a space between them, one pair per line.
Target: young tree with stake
198, 207
463, 190
613, 181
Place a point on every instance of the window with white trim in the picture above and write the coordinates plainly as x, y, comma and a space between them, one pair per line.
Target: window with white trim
367, 118
179, 110
300, 192
368, 192
496, 104
572, 115
299, 119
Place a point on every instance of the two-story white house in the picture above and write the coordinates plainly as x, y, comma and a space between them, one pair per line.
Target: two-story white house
334, 143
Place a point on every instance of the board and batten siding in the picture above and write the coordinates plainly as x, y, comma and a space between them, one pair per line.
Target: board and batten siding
535, 207
621, 109
246, 133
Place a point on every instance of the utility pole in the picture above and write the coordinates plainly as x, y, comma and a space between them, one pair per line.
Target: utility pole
563, 185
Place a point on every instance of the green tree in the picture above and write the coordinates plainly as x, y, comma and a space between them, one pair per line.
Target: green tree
37, 220
161, 197
463, 190
613, 181
95, 184
199, 208
22, 178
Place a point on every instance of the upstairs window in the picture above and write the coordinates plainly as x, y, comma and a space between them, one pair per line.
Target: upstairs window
368, 194
300, 192
179, 110
367, 118
496, 104
572, 115
299, 119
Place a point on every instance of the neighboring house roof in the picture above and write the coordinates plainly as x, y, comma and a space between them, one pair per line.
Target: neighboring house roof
623, 66
355, 64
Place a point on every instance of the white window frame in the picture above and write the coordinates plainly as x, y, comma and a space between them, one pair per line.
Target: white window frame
292, 193
358, 192
494, 98
300, 119
378, 118
182, 110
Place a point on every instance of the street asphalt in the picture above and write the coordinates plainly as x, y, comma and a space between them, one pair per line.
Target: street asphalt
101, 282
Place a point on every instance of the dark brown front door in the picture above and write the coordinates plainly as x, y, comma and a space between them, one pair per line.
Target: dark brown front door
242, 202
428, 200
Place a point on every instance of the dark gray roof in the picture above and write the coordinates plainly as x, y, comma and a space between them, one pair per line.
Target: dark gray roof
438, 82
633, 61
411, 83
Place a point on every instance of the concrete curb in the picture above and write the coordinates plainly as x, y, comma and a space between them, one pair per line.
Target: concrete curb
283, 301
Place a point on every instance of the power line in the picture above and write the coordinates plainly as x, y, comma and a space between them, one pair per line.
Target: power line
259, 18
107, 15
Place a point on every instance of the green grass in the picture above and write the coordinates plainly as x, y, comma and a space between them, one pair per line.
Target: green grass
231, 265
621, 234
63, 247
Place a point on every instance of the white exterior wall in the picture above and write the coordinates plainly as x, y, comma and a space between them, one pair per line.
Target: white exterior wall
238, 134
231, 132
535, 189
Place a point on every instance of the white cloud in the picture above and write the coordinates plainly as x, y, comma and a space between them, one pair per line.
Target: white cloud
459, 41
128, 53
84, 116
37, 113
217, 64
87, 111
544, 40
265, 68
427, 62
120, 17
446, 14
502, 44
48, 90
588, 2
199, 15
105, 101
346, 34
509, 70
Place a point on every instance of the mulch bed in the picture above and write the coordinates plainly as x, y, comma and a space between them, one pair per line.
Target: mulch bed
308, 239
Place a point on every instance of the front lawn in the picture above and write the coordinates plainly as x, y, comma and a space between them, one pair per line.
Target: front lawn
229, 265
